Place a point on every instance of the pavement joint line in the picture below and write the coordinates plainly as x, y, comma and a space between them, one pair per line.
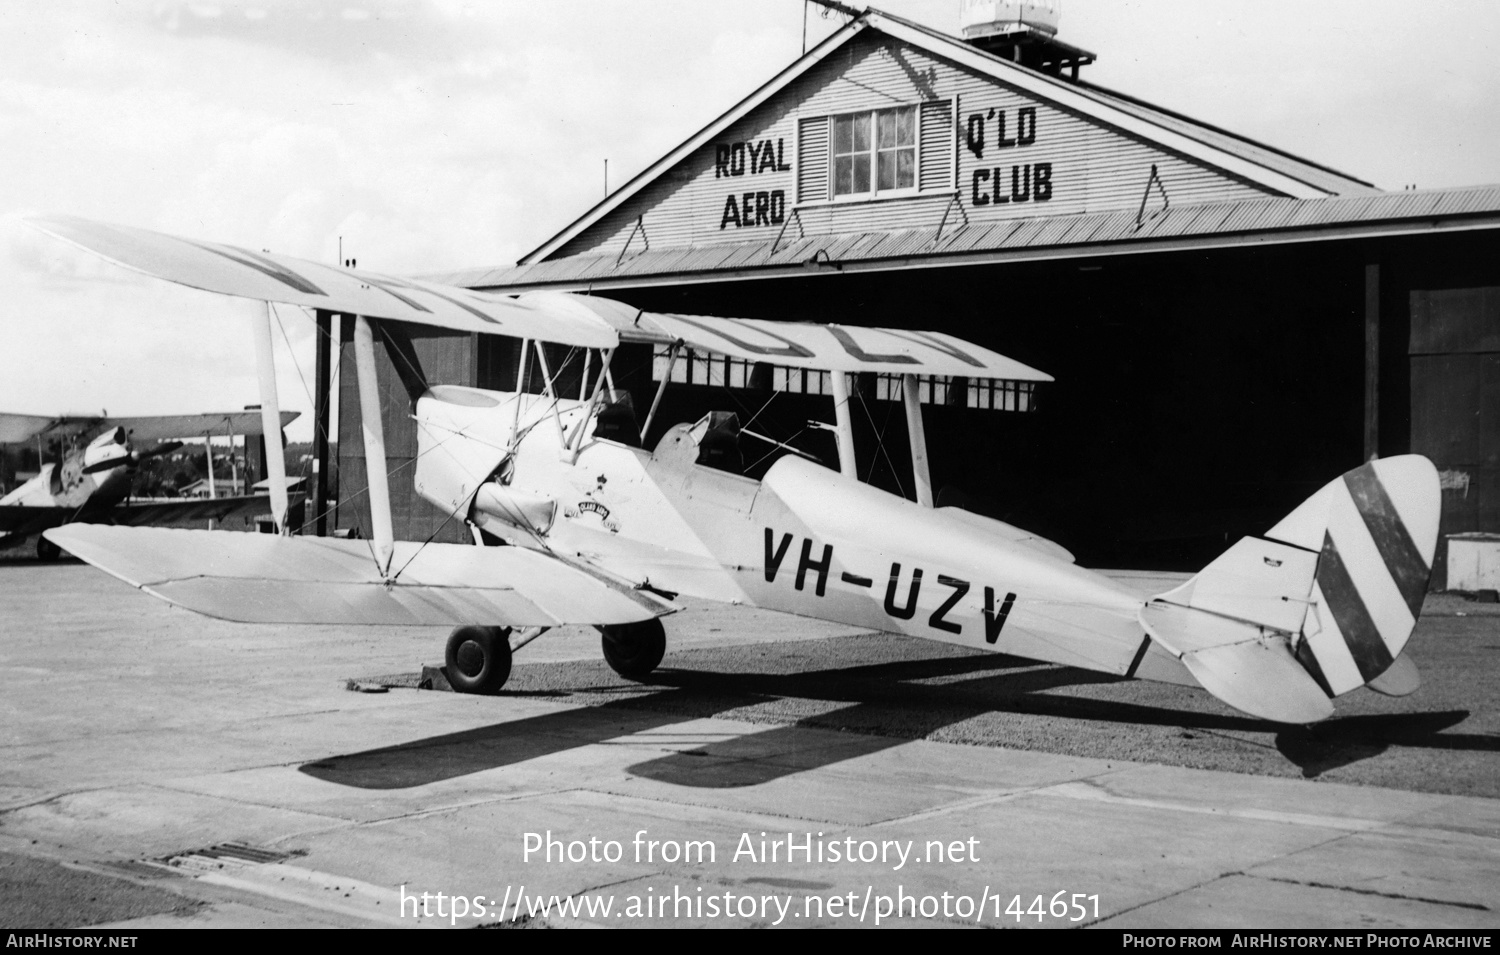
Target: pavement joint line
1375, 892
340, 823
456, 807
1080, 790
996, 796
156, 730
183, 791
42, 801
1162, 898
1402, 830
311, 882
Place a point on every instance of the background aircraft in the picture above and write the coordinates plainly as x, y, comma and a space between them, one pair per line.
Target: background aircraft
99, 457
607, 533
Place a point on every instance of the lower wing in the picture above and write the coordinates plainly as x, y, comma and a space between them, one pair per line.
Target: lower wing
263, 578
24, 520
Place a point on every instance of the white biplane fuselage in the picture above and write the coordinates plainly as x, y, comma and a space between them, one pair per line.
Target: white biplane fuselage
804, 540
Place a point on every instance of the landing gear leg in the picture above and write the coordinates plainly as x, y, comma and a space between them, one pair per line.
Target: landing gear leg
633, 650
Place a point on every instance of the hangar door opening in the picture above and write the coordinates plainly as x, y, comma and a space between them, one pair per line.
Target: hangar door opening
1454, 353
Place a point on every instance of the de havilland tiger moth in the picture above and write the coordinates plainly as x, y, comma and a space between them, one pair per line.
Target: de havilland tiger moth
597, 530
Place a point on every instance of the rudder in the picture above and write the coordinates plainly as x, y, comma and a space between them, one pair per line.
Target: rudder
1323, 604
1375, 530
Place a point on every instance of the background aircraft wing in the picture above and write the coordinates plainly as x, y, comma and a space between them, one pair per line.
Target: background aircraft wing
19, 428
265, 578
16, 428
148, 513
230, 270
163, 427
25, 519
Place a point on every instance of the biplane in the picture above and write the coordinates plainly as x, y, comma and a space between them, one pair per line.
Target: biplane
595, 529
91, 481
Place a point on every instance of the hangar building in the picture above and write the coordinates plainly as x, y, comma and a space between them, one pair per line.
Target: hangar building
1229, 326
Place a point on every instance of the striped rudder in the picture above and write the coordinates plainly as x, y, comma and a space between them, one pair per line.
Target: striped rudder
1322, 604
1375, 532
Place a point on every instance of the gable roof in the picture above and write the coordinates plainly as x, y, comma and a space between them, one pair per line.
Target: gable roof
1277, 172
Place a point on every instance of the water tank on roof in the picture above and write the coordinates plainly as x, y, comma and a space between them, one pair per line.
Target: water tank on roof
985, 18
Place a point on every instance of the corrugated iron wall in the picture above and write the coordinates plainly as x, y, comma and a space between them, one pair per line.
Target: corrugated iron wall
1454, 351
449, 358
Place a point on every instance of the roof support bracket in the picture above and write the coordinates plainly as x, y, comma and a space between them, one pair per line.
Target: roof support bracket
949, 209
1165, 202
640, 226
801, 233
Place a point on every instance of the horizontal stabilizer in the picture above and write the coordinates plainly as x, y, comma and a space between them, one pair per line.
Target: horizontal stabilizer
1257, 581
261, 578
1240, 663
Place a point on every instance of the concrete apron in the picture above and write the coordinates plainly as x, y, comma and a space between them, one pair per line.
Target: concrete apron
619, 796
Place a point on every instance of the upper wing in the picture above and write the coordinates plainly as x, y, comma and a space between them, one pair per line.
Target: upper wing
565, 318
15, 428
264, 578
162, 427
230, 270
846, 348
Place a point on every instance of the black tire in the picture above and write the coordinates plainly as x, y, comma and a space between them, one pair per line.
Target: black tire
477, 659
46, 550
633, 650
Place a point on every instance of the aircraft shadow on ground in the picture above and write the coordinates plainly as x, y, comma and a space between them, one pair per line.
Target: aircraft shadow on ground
883, 708
1321, 747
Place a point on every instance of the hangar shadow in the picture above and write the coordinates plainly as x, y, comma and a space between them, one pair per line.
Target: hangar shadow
881, 708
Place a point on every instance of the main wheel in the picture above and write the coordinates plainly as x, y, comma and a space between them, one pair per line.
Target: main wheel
633, 650
478, 659
47, 550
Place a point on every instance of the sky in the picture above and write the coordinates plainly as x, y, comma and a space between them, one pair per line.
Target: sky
433, 135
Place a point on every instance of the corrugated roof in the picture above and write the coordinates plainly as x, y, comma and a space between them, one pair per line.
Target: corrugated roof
1245, 221
1312, 173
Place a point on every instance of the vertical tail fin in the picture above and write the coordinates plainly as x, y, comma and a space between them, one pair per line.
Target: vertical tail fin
1375, 531
1322, 605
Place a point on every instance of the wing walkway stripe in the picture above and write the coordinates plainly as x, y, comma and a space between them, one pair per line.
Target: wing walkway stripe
1392, 538
1370, 653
